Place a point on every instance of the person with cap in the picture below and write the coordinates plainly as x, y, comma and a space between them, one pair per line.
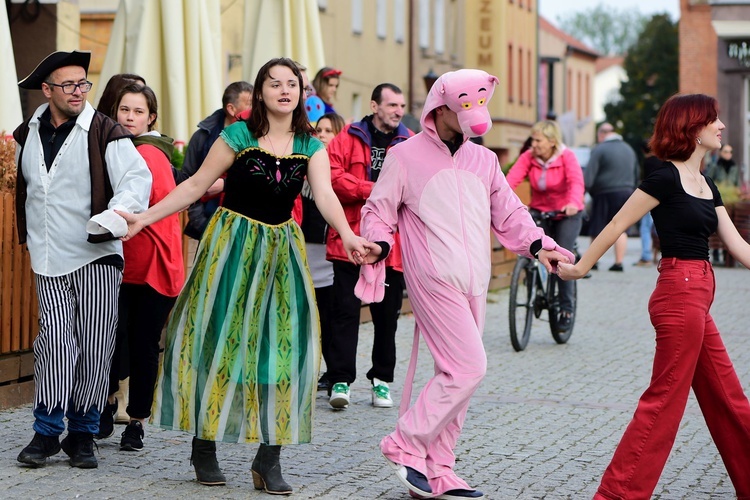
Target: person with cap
445, 195
75, 167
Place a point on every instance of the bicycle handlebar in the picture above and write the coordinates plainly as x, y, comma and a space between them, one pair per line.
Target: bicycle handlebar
550, 215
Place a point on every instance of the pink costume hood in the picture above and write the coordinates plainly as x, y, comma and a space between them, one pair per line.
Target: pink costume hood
467, 92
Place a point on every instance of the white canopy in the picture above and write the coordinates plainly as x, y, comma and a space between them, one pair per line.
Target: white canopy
10, 103
176, 46
282, 28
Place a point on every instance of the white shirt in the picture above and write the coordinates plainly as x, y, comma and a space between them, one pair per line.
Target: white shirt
58, 203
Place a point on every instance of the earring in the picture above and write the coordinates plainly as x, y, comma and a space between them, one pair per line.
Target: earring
699, 140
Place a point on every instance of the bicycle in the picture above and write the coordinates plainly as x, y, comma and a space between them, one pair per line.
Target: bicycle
532, 290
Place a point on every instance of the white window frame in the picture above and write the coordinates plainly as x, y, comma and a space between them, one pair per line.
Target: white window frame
356, 16
381, 19
438, 42
424, 24
399, 21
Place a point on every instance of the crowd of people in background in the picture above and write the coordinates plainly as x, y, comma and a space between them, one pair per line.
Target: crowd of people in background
294, 216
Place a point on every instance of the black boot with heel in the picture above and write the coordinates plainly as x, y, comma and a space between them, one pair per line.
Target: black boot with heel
206, 466
267, 471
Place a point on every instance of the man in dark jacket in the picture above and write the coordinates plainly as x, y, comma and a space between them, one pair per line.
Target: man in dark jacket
357, 155
236, 100
610, 178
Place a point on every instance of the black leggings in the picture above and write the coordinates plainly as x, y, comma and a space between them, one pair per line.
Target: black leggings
141, 319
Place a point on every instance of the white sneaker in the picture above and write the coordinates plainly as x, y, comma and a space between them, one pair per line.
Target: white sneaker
381, 394
339, 396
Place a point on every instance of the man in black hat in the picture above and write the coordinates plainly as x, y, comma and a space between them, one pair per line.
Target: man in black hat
75, 167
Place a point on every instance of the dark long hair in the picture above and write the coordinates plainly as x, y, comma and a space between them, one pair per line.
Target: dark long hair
109, 94
258, 122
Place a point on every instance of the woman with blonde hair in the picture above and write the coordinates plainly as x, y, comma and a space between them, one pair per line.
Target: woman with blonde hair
556, 182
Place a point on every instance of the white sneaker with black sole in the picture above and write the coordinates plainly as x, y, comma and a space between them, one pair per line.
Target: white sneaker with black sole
381, 394
339, 396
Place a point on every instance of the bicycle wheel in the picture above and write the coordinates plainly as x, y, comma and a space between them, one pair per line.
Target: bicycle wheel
561, 337
521, 310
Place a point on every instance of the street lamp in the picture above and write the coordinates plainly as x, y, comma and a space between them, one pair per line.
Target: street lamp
429, 79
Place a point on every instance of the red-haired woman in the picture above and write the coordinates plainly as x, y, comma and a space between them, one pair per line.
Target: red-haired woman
687, 208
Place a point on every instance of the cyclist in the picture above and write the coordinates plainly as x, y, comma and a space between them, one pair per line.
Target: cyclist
556, 182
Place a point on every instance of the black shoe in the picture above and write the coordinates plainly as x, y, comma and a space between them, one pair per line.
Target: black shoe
79, 446
204, 461
267, 471
617, 268
39, 449
564, 321
107, 421
132, 437
323, 383
460, 494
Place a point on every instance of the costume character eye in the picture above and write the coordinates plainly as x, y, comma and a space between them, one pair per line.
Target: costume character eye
466, 105
481, 101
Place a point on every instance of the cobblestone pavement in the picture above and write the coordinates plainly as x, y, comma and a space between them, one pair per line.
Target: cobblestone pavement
543, 425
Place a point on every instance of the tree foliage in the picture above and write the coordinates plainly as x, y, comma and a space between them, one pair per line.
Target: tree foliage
607, 29
652, 68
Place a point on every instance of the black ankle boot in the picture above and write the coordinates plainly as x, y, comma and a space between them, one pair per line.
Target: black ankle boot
206, 466
267, 471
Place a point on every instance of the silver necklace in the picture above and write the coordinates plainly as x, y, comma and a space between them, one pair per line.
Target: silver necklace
278, 161
700, 184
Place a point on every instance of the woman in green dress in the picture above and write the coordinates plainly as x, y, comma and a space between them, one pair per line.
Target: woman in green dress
243, 343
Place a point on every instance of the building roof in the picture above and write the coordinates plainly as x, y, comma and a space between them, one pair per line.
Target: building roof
605, 62
572, 42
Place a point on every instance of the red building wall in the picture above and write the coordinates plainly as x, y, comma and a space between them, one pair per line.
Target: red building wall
698, 49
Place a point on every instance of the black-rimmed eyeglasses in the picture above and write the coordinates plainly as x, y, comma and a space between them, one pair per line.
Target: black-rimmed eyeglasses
70, 88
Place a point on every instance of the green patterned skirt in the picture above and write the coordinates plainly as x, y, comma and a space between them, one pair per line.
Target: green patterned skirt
243, 341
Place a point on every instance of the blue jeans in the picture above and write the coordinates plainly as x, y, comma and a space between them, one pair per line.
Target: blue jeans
51, 423
646, 223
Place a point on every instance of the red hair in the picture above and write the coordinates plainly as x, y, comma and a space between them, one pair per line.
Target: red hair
678, 124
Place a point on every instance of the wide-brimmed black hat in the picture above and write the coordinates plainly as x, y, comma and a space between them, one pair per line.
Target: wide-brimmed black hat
52, 62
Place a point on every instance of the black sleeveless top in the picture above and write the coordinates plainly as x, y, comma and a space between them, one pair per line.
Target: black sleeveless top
683, 222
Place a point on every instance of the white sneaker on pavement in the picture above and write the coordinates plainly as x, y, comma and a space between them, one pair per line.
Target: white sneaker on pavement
339, 396
381, 394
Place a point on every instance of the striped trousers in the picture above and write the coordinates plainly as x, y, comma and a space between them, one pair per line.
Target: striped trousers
77, 325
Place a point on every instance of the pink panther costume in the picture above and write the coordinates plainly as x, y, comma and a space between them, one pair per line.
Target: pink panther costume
444, 206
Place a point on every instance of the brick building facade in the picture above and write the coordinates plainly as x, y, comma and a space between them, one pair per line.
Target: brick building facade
715, 60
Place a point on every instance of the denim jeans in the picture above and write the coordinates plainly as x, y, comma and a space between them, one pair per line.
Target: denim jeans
645, 228
51, 423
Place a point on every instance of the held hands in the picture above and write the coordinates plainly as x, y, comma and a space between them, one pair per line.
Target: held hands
359, 250
571, 272
135, 224
553, 259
